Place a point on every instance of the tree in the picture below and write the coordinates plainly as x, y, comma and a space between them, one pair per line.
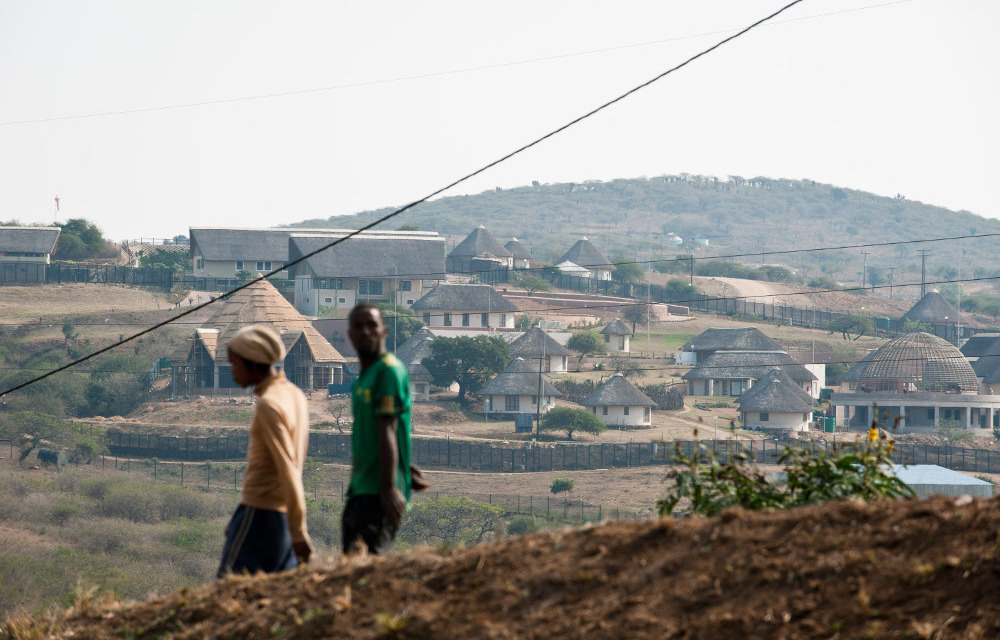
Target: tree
160, 257
570, 420
847, 325
627, 271
678, 286
561, 485
636, 313
80, 239
470, 362
624, 365
586, 343
524, 322
530, 283
401, 323
244, 276
877, 275
31, 430
452, 521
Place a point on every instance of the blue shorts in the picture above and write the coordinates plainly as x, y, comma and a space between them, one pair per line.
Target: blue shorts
257, 540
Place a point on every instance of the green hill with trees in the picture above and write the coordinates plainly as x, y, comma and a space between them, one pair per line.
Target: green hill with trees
748, 217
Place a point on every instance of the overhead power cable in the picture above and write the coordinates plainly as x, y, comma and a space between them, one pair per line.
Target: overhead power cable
437, 192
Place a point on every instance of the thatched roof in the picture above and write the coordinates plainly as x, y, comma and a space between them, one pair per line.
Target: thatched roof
419, 372
933, 309
776, 393
416, 348
28, 239
260, 303
617, 391
518, 249
851, 375
977, 345
586, 255
742, 365
616, 328
520, 378
927, 361
745, 339
463, 297
221, 243
477, 243
370, 256
535, 342
987, 366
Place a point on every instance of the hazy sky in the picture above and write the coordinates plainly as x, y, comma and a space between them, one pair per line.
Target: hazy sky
391, 100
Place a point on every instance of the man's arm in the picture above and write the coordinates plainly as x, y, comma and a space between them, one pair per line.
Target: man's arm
279, 443
393, 502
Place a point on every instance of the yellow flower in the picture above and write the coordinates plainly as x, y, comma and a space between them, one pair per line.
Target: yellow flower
891, 444
873, 434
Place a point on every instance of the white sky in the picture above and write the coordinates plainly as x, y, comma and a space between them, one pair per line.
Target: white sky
896, 97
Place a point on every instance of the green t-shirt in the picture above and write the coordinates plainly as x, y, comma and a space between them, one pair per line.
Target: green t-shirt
383, 389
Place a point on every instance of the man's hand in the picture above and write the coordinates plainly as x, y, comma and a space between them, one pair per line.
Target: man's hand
393, 505
303, 551
417, 480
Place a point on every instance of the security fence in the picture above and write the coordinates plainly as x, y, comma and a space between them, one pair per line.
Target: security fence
497, 457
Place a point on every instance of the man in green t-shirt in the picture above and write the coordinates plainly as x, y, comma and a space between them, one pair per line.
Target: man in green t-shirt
382, 477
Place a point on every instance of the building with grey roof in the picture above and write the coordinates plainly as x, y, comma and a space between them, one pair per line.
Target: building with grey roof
516, 390
695, 350
417, 347
221, 252
465, 305
914, 383
586, 255
616, 336
776, 402
540, 349
478, 246
387, 267
521, 254
25, 252
731, 373
420, 382
619, 403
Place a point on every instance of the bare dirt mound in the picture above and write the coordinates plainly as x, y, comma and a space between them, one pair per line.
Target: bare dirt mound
893, 569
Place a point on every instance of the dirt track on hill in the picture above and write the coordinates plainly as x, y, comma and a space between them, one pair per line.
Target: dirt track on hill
801, 297
893, 569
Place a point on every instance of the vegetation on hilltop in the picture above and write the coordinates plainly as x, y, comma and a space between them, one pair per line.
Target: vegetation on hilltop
631, 217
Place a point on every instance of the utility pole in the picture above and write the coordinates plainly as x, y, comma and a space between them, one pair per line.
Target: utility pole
691, 266
864, 269
892, 272
923, 271
538, 405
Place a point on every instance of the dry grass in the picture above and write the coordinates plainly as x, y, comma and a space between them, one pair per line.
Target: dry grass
52, 300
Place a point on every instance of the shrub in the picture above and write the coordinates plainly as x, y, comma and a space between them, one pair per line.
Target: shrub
177, 501
560, 485
130, 501
857, 469
521, 525
63, 513
95, 486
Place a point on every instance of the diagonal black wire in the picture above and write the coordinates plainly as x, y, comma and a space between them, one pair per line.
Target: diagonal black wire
415, 202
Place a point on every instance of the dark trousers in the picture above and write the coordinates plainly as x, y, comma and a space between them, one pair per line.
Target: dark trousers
257, 540
364, 521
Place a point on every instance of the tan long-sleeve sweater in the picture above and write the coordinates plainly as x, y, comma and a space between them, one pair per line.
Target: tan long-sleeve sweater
279, 436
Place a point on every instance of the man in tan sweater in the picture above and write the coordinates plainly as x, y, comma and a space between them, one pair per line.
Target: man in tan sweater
268, 531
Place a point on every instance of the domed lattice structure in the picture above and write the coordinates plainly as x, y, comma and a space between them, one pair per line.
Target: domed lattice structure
917, 362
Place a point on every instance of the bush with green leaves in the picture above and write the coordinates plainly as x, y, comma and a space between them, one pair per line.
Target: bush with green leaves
570, 420
451, 521
586, 343
860, 470
560, 485
523, 524
954, 431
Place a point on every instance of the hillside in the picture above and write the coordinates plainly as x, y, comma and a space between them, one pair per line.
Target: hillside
631, 217
892, 569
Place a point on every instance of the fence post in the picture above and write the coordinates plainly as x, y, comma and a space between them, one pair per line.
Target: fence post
182, 473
